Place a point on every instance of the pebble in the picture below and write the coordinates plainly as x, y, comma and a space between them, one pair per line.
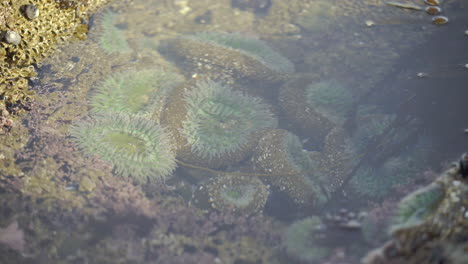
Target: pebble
466, 32
31, 11
12, 37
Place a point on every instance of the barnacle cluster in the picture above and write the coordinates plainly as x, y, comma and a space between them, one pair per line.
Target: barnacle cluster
35, 39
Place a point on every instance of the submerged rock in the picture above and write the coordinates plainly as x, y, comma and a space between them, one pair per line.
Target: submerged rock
430, 225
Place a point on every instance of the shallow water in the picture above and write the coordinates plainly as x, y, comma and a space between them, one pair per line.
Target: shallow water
370, 113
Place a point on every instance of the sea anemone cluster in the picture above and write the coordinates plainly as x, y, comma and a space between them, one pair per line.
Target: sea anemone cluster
135, 146
123, 128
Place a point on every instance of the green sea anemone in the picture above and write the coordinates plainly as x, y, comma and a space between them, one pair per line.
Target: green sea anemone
111, 39
135, 146
301, 240
417, 206
331, 99
133, 92
244, 194
233, 54
219, 120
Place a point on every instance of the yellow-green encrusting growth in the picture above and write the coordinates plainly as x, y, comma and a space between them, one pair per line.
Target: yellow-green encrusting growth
57, 23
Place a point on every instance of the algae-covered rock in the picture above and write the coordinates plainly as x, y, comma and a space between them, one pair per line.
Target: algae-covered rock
429, 224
